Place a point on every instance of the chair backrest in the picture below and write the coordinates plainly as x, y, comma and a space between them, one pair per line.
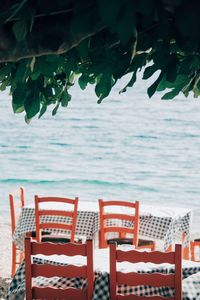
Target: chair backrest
34, 270
17, 201
132, 217
70, 225
173, 280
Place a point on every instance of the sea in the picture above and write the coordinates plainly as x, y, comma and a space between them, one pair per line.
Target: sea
129, 147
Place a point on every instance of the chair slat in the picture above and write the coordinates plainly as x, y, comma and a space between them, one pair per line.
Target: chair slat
155, 257
56, 225
47, 270
55, 212
155, 279
51, 249
119, 229
119, 203
55, 293
118, 216
56, 199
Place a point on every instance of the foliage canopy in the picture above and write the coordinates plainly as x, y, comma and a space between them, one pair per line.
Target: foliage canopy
46, 45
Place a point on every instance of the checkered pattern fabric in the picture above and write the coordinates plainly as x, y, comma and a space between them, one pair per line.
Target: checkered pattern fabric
191, 287
191, 284
167, 229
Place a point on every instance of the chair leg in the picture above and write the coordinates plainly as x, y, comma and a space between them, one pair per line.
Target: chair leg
21, 256
169, 249
192, 250
186, 253
14, 253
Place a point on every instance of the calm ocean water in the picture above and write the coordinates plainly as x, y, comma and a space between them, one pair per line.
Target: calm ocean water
128, 147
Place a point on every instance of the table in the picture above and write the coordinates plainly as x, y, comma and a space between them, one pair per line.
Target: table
191, 279
156, 222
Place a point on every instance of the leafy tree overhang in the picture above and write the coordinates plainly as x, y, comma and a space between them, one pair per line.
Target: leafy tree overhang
46, 45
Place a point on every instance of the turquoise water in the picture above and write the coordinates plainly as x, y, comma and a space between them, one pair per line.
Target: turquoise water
128, 147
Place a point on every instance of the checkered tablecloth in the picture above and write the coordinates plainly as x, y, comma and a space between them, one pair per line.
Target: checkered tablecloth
191, 283
153, 225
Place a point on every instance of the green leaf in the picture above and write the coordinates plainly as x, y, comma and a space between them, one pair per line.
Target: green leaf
103, 87
32, 101
151, 90
54, 111
20, 29
47, 67
129, 84
83, 81
65, 98
171, 95
42, 110
109, 11
149, 71
20, 94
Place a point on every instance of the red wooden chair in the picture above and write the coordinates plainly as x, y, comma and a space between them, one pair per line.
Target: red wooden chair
17, 254
49, 270
193, 245
72, 214
133, 218
173, 280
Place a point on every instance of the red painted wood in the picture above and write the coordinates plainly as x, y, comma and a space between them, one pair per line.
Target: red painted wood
155, 257
113, 274
133, 217
178, 272
19, 193
56, 199
69, 249
118, 229
119, 203
193, 245
46, 270
43, 212
118, 216
28, 277
90, 268
57, 212
55, 225
155, 279
53, 293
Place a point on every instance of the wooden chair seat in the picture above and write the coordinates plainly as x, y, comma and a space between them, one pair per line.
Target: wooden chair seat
126, 241
55, 239
33, 233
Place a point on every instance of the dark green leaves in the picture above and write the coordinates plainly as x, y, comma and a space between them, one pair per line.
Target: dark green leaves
104, 85
97, 42
20, 29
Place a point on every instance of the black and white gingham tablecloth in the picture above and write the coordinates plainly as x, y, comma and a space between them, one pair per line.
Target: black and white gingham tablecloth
191, 283
152, 226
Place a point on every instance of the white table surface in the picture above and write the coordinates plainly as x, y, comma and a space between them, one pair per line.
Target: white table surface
154, 210
101, 261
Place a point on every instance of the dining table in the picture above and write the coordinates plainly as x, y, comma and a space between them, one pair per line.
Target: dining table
190, 275
159, 223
